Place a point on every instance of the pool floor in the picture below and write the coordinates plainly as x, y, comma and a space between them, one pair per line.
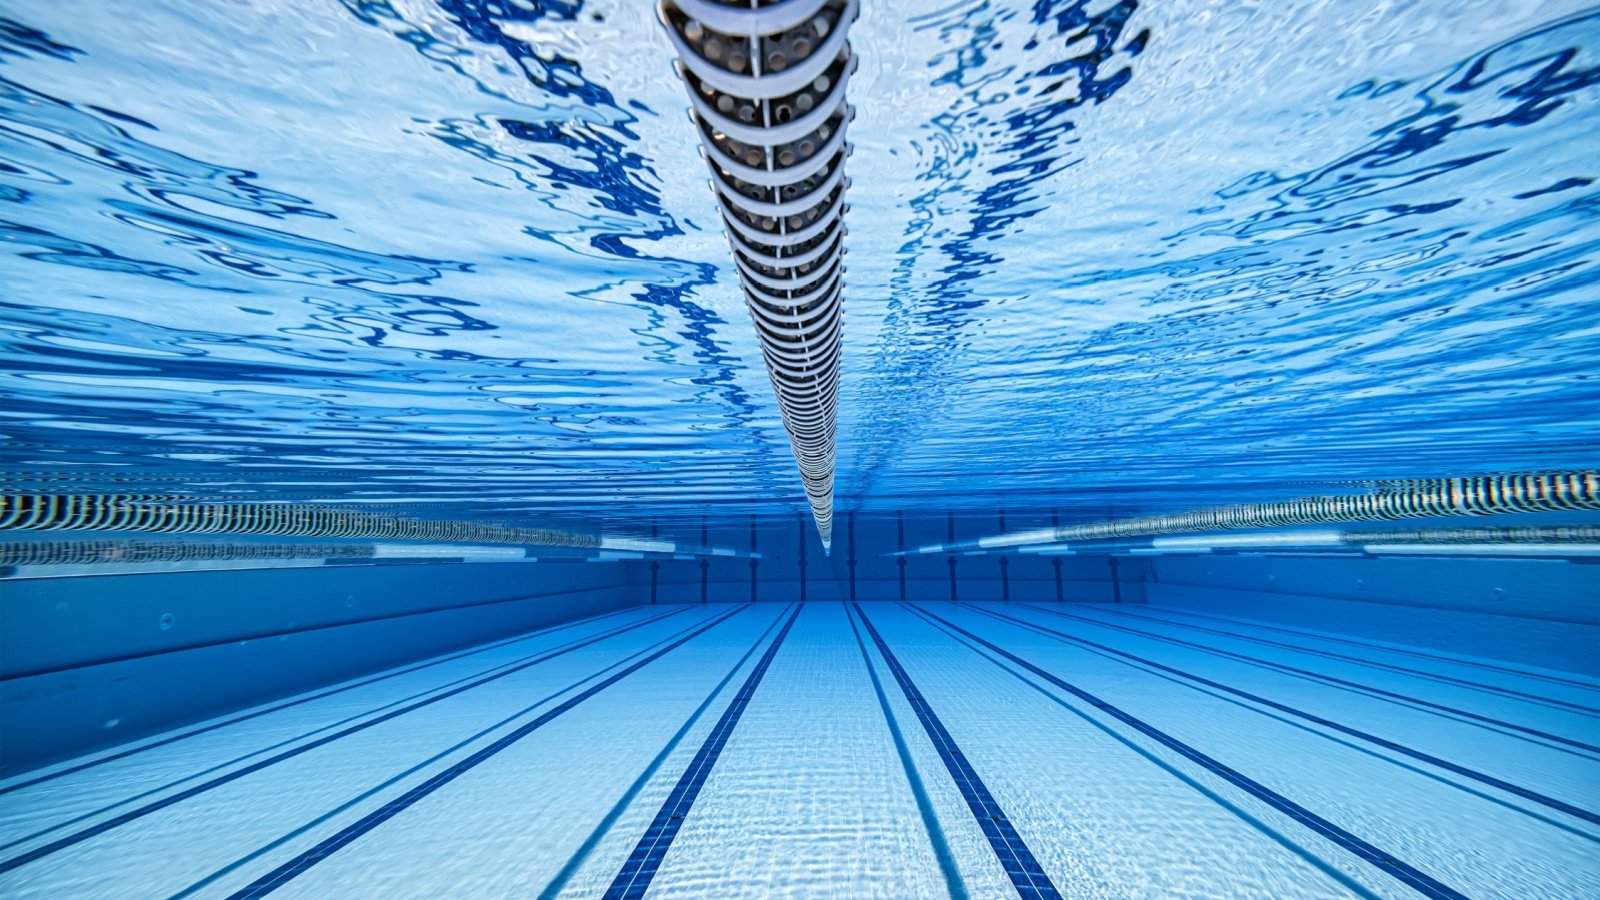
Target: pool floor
880, 750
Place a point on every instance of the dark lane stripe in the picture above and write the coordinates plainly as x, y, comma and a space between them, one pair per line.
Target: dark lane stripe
1384, 862
422, 768
1341, 682
158, 789
275, 879
124, 754
1374, 645
919, 791
1177, 768
634, 878
185, 794
1525, 793
580, 856
1356, 660
1024, 870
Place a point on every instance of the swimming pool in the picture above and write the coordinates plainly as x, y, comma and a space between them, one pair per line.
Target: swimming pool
1161, 463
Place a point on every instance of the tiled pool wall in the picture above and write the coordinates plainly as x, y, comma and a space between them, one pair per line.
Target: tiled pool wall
90, 662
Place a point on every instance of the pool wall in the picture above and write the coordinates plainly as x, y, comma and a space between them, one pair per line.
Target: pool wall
87, 662
91, 662
1537, 612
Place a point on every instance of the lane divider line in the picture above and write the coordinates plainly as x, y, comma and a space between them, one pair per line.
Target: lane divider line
919, 790
275, 879
418, 769
1480, 777
575, 862
1505, 669
1026, 875
1395, 696
1155, 757
641, 866
1404, 670
422, 768
1387, 863
286, 742
162, 742
155, 806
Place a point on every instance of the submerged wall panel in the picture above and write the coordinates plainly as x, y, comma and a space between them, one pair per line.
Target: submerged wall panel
1538, 612
94, 661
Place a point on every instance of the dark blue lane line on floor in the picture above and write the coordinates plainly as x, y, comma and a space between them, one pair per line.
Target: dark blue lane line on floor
1027, 876
1407, 874
275, 879
930, 820
1370, 663
1397, 697
423, 767
1374, 645
575, 862
1473, 774
195, 790
641, 866
131, 751
1160, 761
237, 760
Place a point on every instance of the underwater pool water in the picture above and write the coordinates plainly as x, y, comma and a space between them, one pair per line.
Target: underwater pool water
836, 749
459, 258
394, 501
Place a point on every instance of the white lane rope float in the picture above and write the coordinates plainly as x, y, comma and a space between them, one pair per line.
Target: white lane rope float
1439, 497
168, 514
766, 83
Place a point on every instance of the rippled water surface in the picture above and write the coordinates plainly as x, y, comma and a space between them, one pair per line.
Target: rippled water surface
460, 257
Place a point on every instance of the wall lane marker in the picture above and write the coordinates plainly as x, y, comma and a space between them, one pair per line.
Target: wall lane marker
1538, 675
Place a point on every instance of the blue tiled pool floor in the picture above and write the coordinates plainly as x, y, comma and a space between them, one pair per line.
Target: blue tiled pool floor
880, 750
